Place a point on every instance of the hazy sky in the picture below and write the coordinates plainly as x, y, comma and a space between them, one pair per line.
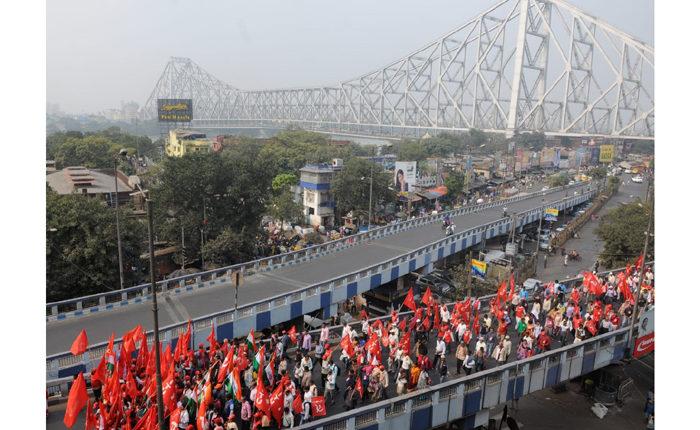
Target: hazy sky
102, 52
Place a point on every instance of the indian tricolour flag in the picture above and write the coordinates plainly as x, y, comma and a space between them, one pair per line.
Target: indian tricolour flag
251, 340
233, 384
259, 359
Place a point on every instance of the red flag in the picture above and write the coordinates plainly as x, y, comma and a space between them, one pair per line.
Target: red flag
426, 323
427, 297
262, 399
226, 367
90, 419
347, 345
212, 341
318, 406
203, 405
131, 387
100, 372
512, 288
298, 405
402, 324
409, 301
80, 343
175, 419
292, 333
363, 314
358, 386
277, 404
638, 263
149, 420
405, 342
77, 399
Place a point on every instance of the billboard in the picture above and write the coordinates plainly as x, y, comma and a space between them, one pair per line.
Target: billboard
174, 110
644, 344
478, 268
606, 153
405, 175
551, 214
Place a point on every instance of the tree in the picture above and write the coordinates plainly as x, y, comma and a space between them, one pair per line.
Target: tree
283, 207
351, 191
81, 246
455, 185
229, 247
535, 141
232, 188
599, 172
410, 150
284, 181
90, 151
622, 230
559, 180
613, 184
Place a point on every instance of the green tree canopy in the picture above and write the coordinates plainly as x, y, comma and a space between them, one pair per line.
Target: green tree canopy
283, 181
351, 192
81, 246
599, 172
455, 185
622, 230
559, 180
283, 207
229, 247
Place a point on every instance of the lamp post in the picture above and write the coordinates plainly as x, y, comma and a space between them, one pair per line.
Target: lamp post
371, 185
154, 300
122, 154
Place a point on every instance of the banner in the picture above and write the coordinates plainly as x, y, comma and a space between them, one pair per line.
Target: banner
479, 268
405, 175
174, 110
551, 214
644, 344
606, 153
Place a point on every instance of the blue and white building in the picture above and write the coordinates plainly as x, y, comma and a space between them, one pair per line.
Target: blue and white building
315, 182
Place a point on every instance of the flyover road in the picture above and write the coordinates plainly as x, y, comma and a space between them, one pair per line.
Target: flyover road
174, 309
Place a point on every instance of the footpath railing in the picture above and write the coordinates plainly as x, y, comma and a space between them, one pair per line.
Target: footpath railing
509, 372
86, 305
66, 363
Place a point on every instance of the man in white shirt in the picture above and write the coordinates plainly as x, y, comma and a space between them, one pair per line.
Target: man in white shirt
439, 349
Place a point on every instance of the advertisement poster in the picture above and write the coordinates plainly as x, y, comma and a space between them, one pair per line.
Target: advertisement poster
405, 175
174, 110
551, 214
479, 268
606, 153
644, 344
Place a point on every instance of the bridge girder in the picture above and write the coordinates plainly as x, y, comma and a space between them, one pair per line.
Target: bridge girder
522, 65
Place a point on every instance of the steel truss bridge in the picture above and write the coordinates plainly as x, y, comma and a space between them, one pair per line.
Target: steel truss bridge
522, 65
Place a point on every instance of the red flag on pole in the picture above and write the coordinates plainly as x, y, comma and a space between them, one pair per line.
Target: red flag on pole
77, 399
402, 324
427, 297
358, 387
292, 333
80, 343
297, 404
318, 406
512, 288
277, 404
409, 301
212, 341
90, 419
638, 263
262, 399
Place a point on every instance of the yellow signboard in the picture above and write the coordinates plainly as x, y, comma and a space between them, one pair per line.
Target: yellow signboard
606, 153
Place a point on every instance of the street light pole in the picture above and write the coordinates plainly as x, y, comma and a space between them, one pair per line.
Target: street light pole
154, 297
647, 233
119, 236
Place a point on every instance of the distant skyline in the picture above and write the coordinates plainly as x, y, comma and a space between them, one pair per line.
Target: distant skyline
102, 53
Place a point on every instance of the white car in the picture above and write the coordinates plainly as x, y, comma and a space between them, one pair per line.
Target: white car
628, 171
638, 179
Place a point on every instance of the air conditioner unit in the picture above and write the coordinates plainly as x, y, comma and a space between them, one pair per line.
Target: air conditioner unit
337, 162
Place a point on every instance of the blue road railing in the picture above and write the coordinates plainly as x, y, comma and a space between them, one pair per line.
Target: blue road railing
66, 363
86, 305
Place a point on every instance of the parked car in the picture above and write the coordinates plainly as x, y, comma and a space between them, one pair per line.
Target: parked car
532, 285
638, 179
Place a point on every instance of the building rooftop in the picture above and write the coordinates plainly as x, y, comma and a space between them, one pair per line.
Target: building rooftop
72, 179
319, 168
